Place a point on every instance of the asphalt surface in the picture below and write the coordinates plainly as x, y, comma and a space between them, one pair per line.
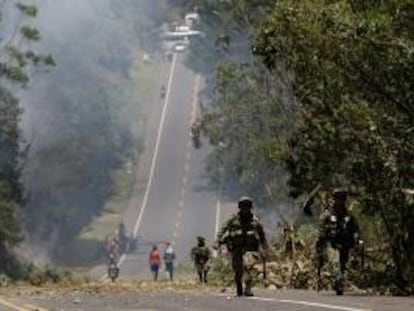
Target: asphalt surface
207, 300
172, 199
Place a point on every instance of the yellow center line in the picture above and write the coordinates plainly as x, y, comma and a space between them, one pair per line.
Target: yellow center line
11, 305
34, 308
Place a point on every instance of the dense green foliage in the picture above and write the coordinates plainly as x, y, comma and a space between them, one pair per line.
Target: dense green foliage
347, 69
10, 156
16, 60
351, 65
248, 136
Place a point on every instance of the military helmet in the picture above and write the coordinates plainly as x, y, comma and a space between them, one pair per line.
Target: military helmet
245, 202
340, 194
201, 239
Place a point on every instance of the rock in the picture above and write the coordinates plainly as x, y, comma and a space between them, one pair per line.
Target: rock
272, 287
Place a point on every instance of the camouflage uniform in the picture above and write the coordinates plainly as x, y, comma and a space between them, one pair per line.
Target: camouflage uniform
201, 255
339, 230
243, 234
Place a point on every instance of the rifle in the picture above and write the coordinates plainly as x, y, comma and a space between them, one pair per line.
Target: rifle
306, 206
362, 253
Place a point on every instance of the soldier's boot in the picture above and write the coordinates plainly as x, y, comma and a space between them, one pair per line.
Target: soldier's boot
248, 290
339, 286
239, 286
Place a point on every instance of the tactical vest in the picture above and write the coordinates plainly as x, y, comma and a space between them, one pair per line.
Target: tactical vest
201, 255
341, 231
244, 236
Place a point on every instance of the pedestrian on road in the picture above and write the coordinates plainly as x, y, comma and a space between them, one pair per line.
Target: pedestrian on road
201, 255
244, 236
107, 245
169, 257
155, 261
339, 230
122, 238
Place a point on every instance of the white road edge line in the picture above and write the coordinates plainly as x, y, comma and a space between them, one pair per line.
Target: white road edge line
154, 159
157, 145
308, 303
302, 302
217, 222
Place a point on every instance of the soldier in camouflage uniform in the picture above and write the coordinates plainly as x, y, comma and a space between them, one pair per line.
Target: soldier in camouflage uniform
340, 230
244, 235
201, 255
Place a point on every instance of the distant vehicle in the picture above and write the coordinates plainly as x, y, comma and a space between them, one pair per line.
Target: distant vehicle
191, 19
182, 28
180, 47
113, 271
177, 37
182, 33
175, 43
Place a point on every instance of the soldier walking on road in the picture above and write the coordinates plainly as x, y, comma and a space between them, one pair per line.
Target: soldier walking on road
340, 230
201, 255
244, 236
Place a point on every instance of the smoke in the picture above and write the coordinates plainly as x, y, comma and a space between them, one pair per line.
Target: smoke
77, 117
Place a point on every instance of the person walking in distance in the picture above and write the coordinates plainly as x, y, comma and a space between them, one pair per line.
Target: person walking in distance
169, 257
201, 255
154, 261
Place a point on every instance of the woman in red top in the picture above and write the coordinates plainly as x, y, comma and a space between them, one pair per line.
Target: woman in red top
155, 261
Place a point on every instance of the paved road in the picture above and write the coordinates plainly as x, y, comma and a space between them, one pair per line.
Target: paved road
172, 199
206, 301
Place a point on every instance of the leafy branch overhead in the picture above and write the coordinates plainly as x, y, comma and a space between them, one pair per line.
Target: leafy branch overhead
28, 10
347, 100
30, 33
352, 64
15, 59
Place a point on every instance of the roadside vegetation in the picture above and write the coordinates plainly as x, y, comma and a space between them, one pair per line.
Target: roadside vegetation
317, 94
17, 61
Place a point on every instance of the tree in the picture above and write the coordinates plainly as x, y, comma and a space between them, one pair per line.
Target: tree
15, 65
351, 64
